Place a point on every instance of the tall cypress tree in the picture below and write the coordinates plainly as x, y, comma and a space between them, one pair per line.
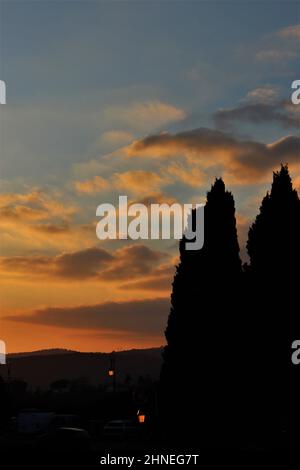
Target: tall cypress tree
273, 242
274, 250
201, 357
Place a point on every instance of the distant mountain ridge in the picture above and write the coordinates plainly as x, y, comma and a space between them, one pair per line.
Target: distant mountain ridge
41, 368
42, 352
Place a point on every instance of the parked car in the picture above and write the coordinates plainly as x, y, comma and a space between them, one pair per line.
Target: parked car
31, 421
75, 439
120, 429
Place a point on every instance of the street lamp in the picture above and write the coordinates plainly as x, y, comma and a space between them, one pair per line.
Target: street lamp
141, 417
112, 370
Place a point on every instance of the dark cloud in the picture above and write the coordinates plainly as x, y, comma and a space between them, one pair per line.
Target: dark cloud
285, 150
126, 263
133, 261
196, 139
244, 160
257, 113
54, 229
156, 198
137, 316
82, 264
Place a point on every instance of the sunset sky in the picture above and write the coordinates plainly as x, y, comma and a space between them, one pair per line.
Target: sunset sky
151, 99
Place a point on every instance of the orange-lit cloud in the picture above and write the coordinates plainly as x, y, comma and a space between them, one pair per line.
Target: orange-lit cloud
144, 116
132, 181
139, 181
240, 161
292, 31
40, 220
146, 316
93, 185
34, 205
190, 176
142, 182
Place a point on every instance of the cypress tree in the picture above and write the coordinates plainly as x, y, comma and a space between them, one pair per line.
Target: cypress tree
274, 250
201, 357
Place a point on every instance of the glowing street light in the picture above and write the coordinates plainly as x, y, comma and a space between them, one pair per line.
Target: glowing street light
141, 417
112, 370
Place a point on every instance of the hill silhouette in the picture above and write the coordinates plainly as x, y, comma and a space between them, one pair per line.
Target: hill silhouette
42, 352
41, 369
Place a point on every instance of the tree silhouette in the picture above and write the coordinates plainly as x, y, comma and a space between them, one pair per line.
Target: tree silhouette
227, 365
273, 282
201, 359
273, 241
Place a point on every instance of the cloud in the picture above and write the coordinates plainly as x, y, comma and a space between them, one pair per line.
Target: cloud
128, 262
138, 181
133, 181
275, 55
260, 105
39, 220
161, 280
191, 142
241, 161
193, 177
162, 284
52, 229
93, 185
35, 205
292, 31
156, 198
136, 316
257, 113
115, 137
82, 264
144, 116
283, 45
265, 94
131, 262
20, 211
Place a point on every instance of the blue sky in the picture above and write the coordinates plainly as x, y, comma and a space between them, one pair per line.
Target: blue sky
80, 57
55, 50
